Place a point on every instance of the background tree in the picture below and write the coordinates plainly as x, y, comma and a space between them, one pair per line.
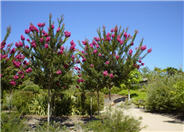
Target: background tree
13, 65
50, 61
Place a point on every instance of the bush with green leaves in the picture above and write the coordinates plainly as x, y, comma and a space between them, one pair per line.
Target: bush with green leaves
38, 104
115, 121
21, 99
166, 94
84, 101
12, 122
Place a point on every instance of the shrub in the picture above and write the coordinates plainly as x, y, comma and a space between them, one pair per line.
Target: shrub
38, 104
62, 105
114, 122
21, 100
166, 94
84, 105
12, 122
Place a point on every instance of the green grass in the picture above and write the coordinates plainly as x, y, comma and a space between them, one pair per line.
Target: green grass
136, 95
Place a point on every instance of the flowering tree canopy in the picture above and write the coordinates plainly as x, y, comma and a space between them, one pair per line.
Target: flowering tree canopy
50, 61
109, 58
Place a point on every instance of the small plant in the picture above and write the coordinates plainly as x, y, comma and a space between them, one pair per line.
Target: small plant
114, 122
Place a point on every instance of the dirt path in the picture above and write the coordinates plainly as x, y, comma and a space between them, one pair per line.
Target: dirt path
154, 122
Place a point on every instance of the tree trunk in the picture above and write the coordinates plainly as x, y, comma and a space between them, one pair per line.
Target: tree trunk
98, 101
109, 94
128, 94
91, 107
48, 108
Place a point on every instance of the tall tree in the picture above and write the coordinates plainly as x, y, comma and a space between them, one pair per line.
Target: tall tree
50, 61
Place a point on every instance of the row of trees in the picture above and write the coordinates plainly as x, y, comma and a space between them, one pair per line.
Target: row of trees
106, 61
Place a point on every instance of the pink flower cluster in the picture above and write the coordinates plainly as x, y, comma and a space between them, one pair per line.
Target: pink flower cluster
67, 34
29, 70
72, 47
58, 72
105, 73
18, 44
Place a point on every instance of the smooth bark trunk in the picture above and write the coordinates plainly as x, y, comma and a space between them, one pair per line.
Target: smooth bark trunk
48, 108
91, 107
98, 101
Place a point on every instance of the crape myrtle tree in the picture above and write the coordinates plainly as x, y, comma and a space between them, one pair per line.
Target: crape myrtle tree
50, 61
14, 67
109, 58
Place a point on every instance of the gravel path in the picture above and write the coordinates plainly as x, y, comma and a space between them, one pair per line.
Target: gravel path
154, 122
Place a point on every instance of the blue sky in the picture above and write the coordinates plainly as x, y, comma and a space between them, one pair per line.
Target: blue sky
159, 23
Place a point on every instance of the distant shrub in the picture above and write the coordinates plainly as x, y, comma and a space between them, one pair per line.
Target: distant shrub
166, 94
113, 122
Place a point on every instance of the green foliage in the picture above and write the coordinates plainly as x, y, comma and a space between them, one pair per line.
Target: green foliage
114, 122
166, 94
28, 85
38, 104
62, 105
83, 102
12, 122
21, 100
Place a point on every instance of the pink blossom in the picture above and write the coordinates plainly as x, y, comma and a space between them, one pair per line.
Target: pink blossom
149, 50
112, 30
105, 73
47, 39
12, 51
117, 57
46, 46
58, 72
73, 57
12, 82
33, 45
92, 65
84, 42
29, 70
76, 68
28, 40
52, 26
107, 62
25, 63
108, 35
20, 72
142, 64
27, 31
97, 46
113, 35
72, 47
143, 47
96, 39
84, 59
3, 56
111, 75
93, 42
67, 34
22, 37
1, 75
62, 48
108, 38
139, 61
60, 52
58, 29
95, 51
16, 77
22, 76
72, 42
132, 43
125, 35
16, 63
20, 44
91, 45
27, 47
119, 39
130, 52
99, 54
82, 52
41, 40
19, 56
